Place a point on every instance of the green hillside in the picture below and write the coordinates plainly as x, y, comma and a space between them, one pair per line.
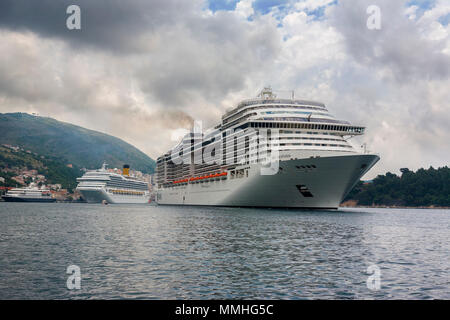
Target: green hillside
73, 144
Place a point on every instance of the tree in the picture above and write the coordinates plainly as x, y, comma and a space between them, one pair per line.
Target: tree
425, 187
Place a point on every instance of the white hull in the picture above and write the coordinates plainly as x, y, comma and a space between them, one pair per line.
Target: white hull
97, 195
328, 182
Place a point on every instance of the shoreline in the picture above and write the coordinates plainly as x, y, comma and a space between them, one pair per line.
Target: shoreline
394, 207
341, 206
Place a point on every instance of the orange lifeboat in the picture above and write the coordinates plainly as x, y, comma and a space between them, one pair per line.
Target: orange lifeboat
216, 175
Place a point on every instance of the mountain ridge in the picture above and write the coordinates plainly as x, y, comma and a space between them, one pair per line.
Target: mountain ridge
82, 147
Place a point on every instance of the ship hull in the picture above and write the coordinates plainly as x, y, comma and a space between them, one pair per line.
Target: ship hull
19, 199
99, 195
318, 183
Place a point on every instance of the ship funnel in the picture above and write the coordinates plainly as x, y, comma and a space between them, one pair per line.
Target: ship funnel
126, 170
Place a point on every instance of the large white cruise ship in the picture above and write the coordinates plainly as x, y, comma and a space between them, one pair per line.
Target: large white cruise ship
266, 152
97, 186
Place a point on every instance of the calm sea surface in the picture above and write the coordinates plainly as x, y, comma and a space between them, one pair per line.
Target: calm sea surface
151, 252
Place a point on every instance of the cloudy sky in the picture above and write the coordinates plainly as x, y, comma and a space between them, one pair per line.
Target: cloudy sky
141, 69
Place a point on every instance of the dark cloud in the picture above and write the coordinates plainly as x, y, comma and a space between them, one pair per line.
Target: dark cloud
207, 56
182, 53
398, 45
108, 24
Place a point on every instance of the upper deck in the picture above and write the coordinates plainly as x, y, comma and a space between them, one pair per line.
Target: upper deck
266, 101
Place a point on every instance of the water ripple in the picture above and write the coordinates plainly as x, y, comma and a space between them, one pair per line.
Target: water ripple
150, 252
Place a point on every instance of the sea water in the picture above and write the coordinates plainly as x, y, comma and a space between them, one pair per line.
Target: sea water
175, 252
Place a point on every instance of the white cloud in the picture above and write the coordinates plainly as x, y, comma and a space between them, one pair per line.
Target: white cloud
245, 8
411, 12
394, 81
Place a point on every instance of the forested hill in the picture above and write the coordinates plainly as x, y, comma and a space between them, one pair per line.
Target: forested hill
425, 187
76, 145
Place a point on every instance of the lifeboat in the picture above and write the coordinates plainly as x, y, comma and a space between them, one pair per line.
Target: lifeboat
210, 176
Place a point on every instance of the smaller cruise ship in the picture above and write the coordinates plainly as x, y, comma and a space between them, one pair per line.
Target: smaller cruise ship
30, 194
101, 185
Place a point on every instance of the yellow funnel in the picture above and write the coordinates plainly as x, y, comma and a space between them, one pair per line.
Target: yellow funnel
126, 170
